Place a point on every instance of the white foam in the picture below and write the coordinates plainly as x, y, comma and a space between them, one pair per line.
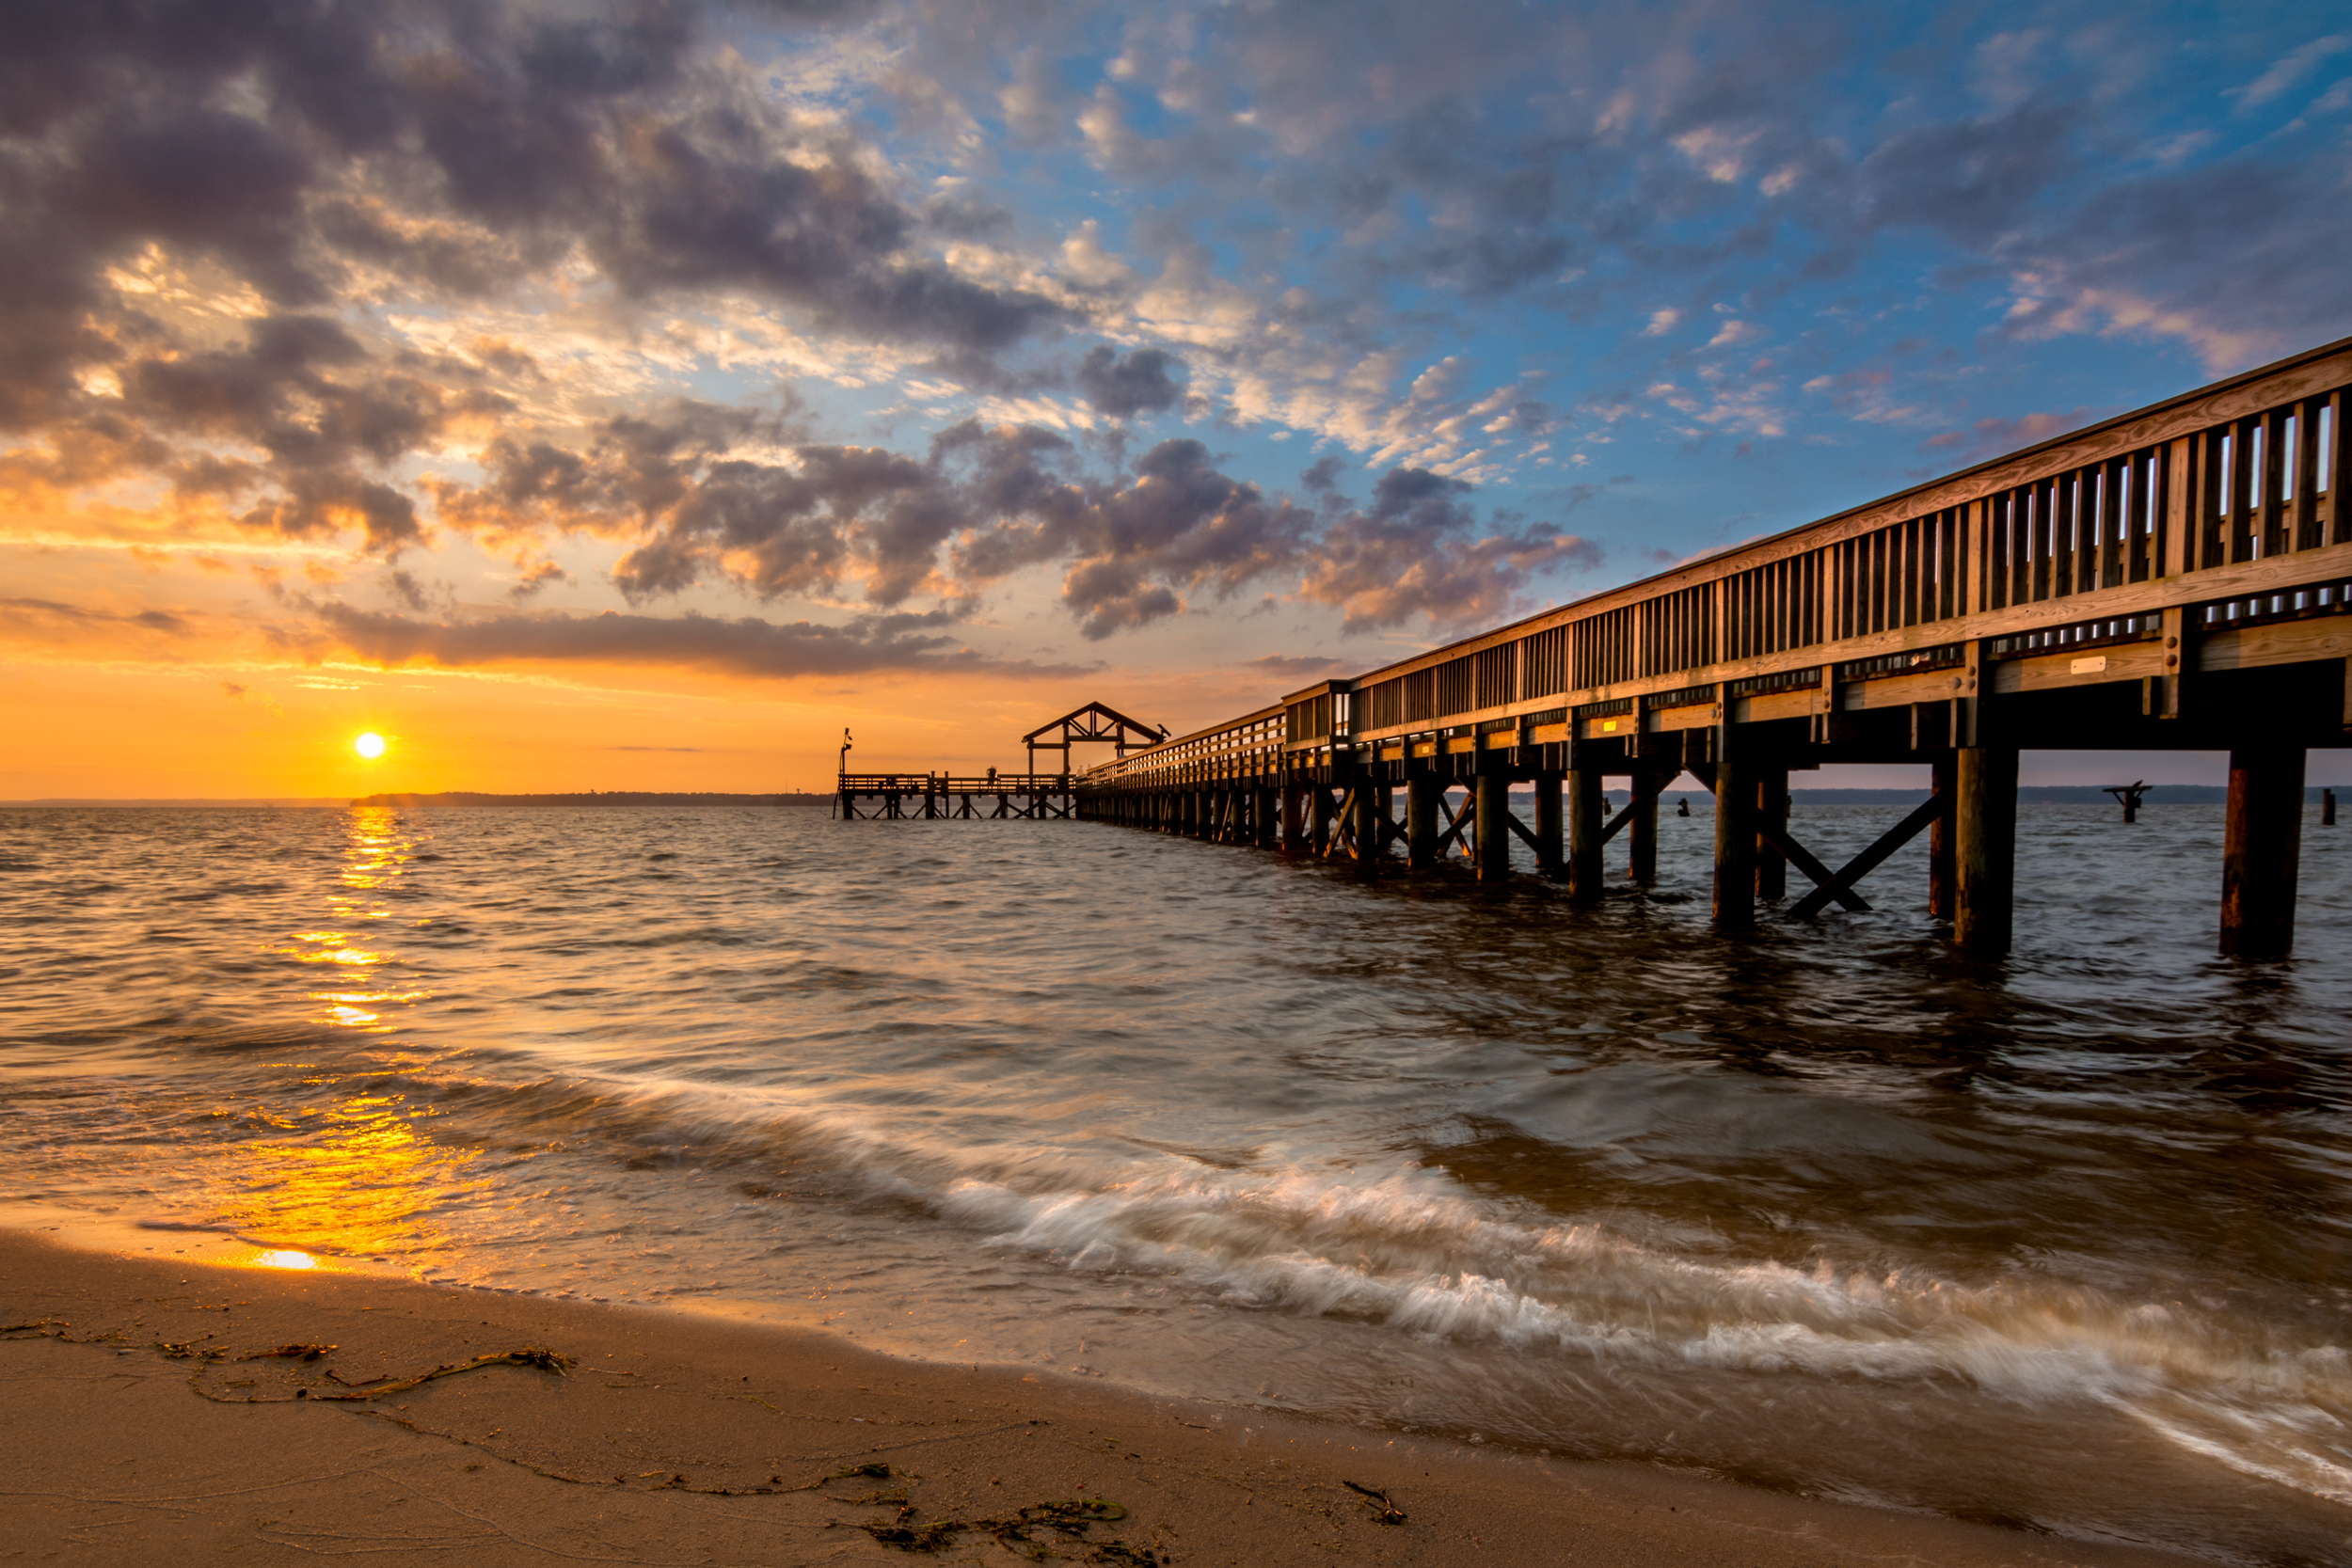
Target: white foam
1409, 1249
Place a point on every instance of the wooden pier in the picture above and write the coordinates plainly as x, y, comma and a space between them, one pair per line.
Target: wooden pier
2179, 579
930, 797
904, 797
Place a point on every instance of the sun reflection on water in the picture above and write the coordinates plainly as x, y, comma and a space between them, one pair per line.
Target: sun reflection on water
345, 1172
378, 847
357, 1181
282, 1257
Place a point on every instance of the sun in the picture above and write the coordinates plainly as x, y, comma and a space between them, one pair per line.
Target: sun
370, 746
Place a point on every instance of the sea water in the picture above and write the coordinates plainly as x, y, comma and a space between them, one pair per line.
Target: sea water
2059, 1242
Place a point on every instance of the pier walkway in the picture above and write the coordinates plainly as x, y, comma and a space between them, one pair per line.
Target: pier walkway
2179, 579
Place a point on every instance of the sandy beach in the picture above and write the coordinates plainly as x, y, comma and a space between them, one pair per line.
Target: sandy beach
160, 1410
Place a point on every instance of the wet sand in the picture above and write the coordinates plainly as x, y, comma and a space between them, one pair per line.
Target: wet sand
144, 1422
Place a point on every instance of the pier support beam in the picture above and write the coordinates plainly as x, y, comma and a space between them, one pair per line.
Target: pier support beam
1734, 837
1422, 790
1771, 813
1492, 833
1364, 830
1551, 837
1644, 828
1587, 811
2263, 842
1984, 833
1944, 775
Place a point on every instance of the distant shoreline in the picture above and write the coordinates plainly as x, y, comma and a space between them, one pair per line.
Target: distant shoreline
2044, 795
459, 798
600, 797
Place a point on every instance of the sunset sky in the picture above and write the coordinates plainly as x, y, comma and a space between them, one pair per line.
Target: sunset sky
631, 397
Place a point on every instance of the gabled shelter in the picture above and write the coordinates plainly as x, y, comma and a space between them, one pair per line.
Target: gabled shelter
1092, 724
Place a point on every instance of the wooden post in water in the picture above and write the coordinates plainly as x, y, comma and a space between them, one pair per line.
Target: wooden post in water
2263, 843
1493, 835
1645, 829
1550, 838
1984, 818
1295, 834
1365, 828
1772, 810
1734, 837
1421, 789
1944, 774
1587, 817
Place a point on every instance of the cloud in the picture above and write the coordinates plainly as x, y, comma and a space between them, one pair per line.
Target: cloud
1988, 439
1418, 550
1322, 476
1972, 180
2236, 258
54, 613
1299, 667
742, 646
197, 205
1139, 383
2288, 70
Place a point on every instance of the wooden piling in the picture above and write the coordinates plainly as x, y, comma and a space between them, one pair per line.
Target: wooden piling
1365, 830
1551, 839
1735, 837
1944, 776
1984, 817
1587, 817
1772, 810
1493, 835
1644, 829
1422, 790
2261, 846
